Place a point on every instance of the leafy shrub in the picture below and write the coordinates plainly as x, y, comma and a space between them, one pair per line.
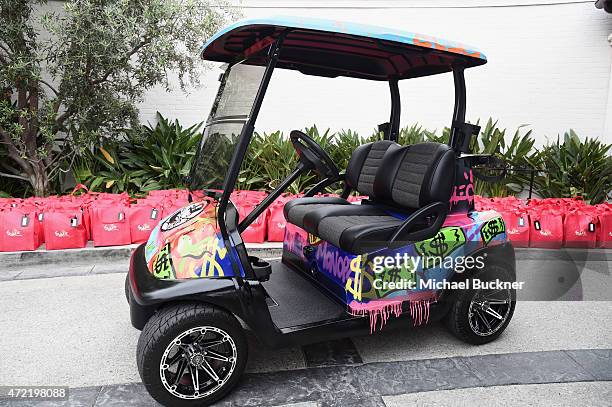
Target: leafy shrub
161, 156
150, 158
492, 140
270, 158
575, 168
417, 134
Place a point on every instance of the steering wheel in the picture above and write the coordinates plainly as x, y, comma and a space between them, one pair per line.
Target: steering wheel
313, 156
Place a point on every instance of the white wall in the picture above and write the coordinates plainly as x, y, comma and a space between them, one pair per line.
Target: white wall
549, 67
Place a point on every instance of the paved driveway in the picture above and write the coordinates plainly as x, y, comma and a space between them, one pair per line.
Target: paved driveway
75, 331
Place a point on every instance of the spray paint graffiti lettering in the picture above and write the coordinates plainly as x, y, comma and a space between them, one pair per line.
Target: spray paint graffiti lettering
336, 264
294, 241
200, 256
314, 240
465, 192
162, 266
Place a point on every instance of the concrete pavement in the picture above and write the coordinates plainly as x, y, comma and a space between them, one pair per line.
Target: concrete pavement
595, 394
74, 330
60, 329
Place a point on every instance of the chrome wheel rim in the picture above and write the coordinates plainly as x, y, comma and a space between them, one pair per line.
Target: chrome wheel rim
489, 310
198, 362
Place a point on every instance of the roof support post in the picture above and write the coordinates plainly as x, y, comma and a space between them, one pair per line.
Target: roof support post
462, 199
245, 136
459, 110
396, 107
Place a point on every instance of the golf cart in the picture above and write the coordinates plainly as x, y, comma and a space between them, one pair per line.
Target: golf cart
196, 293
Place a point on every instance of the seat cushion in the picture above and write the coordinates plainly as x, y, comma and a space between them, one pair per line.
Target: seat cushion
296, 209
360, 174
314, 217
353, 228
358, 234
364, 163
415, 176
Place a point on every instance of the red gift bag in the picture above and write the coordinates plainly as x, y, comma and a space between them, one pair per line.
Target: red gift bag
604, 236
276, 219
276, 223
517, 226
173, 202
109, 224
65, 229
144, 216
580, 227
5, 203
256, 231
546, 229
19, 230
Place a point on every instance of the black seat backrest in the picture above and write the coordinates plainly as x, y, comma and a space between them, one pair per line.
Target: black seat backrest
364, 163
414, 176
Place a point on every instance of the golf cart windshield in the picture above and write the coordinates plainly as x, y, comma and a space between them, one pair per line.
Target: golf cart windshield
229, 113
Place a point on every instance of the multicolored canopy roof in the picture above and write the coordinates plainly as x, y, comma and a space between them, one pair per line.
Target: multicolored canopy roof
336, 48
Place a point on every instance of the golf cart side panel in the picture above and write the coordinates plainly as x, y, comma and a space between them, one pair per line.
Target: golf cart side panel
148, 294
187, 245
350, 277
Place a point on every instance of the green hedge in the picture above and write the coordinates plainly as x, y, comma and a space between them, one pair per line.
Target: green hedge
159, 157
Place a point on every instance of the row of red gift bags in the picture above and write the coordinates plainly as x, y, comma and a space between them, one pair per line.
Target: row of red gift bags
122, 221
553, 223
63, 222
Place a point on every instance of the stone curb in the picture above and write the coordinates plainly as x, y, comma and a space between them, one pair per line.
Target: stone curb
92, 254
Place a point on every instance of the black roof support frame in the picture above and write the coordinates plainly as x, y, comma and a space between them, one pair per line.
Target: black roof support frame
396, 108
245, 138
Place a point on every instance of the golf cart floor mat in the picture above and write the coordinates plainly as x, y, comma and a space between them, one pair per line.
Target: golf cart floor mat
296, 301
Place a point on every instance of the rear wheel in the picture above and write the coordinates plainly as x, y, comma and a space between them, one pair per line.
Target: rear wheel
191, 355
479, 316
127, 287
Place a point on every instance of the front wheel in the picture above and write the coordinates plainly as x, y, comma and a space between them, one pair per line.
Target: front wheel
191, 355
480, 316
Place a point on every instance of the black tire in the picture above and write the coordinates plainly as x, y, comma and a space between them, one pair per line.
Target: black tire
458, 318
127, 288
169, 323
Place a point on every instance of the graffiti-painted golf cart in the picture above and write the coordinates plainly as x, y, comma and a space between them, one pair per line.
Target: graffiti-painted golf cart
347, 269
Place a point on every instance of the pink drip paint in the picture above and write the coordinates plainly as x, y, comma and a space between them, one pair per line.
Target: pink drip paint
376, 309
383, 309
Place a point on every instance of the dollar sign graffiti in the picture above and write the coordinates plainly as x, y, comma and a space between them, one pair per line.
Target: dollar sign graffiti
438, 245
493, 228
393, 275
354, 284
